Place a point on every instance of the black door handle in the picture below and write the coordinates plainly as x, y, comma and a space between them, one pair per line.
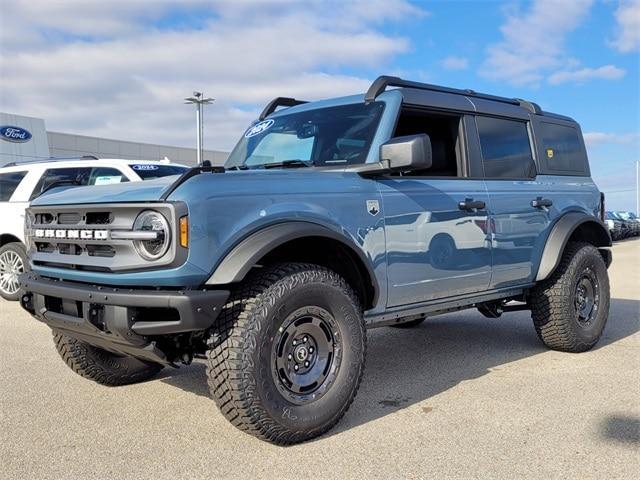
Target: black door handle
540, 202
471, 204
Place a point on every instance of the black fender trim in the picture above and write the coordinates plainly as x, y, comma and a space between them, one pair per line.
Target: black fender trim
559, 236
237, 263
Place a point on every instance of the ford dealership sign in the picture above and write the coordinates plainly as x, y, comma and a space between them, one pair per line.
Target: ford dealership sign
14, 134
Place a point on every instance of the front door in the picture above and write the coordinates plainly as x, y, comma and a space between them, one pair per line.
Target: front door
436, 247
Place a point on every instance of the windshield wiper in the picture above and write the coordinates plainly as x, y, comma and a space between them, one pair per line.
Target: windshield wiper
238, 167
288, 164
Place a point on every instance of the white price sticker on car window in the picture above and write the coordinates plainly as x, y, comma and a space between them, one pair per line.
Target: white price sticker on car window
108, 179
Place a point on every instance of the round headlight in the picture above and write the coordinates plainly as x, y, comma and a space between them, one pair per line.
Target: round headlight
152, 221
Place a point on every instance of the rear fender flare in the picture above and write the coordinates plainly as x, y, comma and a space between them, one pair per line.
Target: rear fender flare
559, 236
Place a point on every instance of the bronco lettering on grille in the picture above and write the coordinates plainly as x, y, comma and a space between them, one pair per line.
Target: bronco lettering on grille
72, 234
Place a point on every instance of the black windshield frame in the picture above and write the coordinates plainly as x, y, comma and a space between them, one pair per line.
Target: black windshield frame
338, 136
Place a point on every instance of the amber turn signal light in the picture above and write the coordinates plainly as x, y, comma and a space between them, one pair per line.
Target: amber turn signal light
184, 232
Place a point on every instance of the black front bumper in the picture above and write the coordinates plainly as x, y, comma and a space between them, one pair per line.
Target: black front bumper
121, 320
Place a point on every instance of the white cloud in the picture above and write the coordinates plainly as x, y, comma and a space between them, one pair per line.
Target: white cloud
455, 63
627, 35
120, 69
581, 75
533, 41
595, 139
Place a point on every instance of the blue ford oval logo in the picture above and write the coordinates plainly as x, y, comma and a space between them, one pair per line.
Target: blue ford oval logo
14, 134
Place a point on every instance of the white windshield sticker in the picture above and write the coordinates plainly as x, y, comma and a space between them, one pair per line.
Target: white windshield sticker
258, 128
108, 179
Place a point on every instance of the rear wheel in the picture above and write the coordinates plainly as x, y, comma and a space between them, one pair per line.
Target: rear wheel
288, 353
13, 262
570, 309
102, 367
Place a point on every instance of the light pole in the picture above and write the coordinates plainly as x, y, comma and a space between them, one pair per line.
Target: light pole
199, 101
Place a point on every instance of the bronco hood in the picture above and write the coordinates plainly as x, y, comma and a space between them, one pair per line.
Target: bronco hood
130, 192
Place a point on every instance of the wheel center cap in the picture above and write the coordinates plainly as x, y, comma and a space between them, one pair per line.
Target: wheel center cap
301, 353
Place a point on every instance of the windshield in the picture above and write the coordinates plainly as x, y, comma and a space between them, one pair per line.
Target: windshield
333, 136
149, 171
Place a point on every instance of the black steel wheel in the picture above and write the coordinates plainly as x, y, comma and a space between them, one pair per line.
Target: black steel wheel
587, 298
306, 354
287, 353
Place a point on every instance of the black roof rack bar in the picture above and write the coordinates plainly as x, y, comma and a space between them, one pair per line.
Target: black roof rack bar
279, 102
381, 83
531, 106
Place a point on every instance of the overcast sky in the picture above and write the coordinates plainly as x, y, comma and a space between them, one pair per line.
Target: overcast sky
120, 68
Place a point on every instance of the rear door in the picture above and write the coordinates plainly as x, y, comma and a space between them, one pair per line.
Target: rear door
519, 208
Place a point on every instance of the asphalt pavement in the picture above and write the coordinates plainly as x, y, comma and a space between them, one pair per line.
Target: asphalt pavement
461, 396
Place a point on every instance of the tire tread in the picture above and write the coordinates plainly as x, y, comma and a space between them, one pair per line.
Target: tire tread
99, 365
551, 301
230, 360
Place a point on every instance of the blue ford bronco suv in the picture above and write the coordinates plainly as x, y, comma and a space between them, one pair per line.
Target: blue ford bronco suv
328, 218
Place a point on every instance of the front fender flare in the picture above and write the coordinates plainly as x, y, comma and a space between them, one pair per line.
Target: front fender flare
237, 263
559, 236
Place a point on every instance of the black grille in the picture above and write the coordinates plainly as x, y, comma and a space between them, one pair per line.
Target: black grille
100, 251
99, 218
69, 218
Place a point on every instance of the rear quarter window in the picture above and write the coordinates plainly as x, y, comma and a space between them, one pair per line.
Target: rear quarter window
8, 184
562, 149
506, 149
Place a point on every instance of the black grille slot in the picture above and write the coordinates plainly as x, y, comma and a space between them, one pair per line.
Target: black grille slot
69, 218
53, 304
44, 218
44, 247
100, 251
99, 218
69, 249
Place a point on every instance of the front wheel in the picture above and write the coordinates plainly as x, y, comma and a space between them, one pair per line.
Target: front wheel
13, 262
287, 354
102, 367
570, 309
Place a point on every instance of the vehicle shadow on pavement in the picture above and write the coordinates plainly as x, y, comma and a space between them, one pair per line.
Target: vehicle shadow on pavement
405, 367
408, 366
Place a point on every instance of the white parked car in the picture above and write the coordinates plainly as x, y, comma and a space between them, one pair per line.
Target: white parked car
22, 182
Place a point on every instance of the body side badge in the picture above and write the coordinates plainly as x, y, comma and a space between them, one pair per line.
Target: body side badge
373, 207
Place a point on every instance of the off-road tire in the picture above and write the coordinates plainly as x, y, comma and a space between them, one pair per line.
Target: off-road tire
101, 366
553, 301
239, 368
18, 249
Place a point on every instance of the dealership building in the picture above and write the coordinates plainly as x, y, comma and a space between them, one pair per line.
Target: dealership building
26, 139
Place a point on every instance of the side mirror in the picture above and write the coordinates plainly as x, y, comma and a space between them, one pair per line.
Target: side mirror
412, 152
